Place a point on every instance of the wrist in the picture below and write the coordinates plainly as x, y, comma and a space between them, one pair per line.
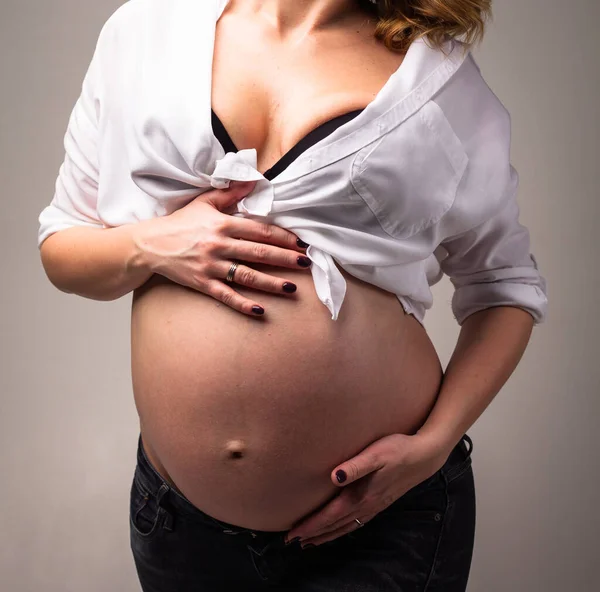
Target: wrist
140, 258
439, 441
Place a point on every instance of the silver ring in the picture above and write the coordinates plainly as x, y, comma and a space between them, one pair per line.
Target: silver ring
358, 522
232, 269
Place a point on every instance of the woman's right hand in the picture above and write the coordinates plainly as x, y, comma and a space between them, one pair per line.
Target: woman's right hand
195, 246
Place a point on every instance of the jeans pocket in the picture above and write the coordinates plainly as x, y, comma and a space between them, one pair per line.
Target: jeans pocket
424, 504
145, 514
403, 539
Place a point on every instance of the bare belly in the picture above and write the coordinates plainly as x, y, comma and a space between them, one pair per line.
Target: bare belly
247, 417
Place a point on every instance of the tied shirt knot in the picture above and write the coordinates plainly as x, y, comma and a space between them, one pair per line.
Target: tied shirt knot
241, 166
330, 284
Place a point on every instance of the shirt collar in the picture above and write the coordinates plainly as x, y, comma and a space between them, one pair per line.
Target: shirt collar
422, 73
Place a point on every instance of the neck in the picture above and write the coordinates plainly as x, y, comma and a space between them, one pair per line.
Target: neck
301, 16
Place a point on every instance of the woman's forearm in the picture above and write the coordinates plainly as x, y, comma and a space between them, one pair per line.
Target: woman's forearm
489, 348
96, 263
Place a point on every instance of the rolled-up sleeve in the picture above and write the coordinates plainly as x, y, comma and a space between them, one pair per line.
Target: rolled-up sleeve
491, 264
76, 188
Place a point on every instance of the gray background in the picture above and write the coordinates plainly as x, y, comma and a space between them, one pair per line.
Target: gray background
68, 422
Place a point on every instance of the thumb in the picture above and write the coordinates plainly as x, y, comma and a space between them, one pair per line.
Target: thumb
354, 469
222, 199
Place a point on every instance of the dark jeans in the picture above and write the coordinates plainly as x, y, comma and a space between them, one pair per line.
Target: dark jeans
422, 542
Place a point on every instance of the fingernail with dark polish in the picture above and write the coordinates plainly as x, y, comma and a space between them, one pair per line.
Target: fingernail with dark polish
258, 309
304, 261
289, 287
308, 545
302, 244
293, 540
340, 476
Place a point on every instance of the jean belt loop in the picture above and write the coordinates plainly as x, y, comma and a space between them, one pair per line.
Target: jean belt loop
466, 438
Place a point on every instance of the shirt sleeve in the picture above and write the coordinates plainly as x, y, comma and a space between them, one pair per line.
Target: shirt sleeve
76, 187
487, 249
491, 265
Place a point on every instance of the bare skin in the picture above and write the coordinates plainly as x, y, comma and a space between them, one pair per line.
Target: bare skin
247, 416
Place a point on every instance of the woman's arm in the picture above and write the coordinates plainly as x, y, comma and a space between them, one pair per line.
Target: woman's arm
97, 263
107, 263
499, 293
489, 348
78, 254
499, 297
193, 246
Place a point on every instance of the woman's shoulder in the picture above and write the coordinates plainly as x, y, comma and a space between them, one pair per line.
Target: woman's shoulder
473, 109
149, 32
121, 25
482, 126
126, 14
154, 16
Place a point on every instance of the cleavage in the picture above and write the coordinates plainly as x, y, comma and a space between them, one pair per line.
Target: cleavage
312, 137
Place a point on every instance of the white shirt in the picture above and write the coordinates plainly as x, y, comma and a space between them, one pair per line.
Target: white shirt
417, 185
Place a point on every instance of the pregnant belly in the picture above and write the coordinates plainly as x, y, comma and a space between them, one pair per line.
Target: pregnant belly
247, 417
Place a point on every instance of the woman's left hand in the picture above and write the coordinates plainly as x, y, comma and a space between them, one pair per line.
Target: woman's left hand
375, 478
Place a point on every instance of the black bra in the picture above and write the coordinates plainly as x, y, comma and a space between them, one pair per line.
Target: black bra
305, 143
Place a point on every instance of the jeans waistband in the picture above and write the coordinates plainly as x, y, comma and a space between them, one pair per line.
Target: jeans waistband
155, 483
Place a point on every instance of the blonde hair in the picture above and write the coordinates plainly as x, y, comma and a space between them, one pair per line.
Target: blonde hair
400, 22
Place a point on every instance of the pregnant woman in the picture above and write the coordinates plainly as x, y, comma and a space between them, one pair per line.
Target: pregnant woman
279, 184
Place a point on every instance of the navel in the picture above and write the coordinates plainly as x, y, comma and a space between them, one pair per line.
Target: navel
235, 449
